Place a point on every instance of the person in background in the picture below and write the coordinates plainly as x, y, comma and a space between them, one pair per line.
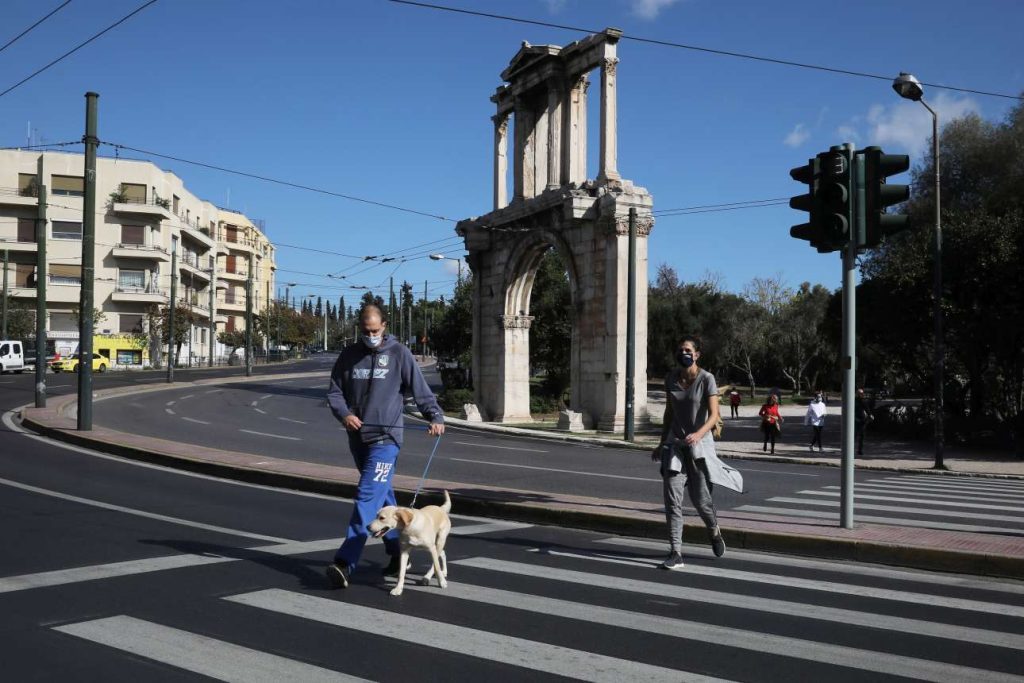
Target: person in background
861, 418
734, 402
815, 419
771, 421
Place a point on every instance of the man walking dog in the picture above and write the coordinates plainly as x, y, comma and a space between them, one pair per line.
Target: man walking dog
368, 385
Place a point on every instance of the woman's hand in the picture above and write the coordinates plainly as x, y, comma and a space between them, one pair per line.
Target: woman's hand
694, 438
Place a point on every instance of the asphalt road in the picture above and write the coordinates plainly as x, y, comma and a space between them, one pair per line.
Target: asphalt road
119, 571
289, 419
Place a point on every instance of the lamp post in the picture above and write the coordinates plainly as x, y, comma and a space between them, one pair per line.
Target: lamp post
908, 87
442, 257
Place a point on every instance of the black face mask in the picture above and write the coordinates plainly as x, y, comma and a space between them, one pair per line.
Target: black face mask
684, 359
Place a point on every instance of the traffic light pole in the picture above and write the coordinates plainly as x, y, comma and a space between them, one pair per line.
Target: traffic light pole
857, 208
41, 294
631, 326
85, 302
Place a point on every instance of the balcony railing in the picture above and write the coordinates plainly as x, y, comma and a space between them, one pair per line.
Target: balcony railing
30, 191
141, 247
124, 288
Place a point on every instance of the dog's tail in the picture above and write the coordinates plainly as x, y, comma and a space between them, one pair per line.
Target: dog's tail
447, 506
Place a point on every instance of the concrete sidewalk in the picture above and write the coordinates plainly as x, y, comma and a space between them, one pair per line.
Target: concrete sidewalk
975, 553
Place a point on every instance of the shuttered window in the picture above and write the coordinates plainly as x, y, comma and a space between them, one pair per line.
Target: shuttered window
130, 323
133, 234
26, 230
68, 185
27, 186
62, 274
24, 275
134, 194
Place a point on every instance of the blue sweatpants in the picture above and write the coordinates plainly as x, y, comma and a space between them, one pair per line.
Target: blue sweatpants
376, 465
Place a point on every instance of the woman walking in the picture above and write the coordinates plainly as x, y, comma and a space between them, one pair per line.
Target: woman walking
687, 450
771, 421
815, 418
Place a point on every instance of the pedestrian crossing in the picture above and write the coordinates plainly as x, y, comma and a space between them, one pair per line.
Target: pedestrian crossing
600, 611
968, 504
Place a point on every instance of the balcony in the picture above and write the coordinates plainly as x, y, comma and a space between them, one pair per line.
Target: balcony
14, 244
140, 251
194, 266
231, 303
235, 276
13, 196
130, 206
198, 234
142, 295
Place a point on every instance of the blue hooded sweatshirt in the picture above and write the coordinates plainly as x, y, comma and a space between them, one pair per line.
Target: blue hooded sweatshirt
372, 384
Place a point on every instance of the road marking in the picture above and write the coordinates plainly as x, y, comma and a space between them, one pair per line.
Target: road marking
253, 404
192, 419
59, 386
552, 469
260, 411
484, 444
895, 499
955, 580
433, 633
206, 656
273, 436
169, 411
879, 488
974, 486
749, 602
897, 521
815, 585
140, 513
266, 396
788, 474
186, 397
904, 510
170, 403
757, 641
288, 419
487, 528
213, 391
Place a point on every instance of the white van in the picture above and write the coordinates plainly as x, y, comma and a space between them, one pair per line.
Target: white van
12, 356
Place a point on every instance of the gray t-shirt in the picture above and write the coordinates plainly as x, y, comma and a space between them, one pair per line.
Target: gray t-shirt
689, 405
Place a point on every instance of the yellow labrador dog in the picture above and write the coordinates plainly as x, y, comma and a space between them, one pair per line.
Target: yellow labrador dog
426, 527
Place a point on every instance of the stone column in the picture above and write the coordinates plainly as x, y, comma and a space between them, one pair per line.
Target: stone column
539, 157
555, 95
609, 115
515, 386
500, 161
574, 154
524, 163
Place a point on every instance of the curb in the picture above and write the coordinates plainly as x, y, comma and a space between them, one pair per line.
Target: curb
640, 524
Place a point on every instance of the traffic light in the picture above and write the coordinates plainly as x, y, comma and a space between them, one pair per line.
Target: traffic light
808, 175
878, 195
829, 177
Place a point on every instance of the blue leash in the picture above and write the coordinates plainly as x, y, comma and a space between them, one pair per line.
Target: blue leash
437, 442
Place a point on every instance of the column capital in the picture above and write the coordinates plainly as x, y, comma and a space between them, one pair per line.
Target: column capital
516, 322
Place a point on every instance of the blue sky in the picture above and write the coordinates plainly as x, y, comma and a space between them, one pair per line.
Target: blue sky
390, 103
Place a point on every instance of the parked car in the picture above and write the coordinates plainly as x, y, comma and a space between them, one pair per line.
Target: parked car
12, 356
70, 363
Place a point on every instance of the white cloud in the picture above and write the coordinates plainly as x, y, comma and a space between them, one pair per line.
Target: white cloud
906, 126
649, 9
797, 136
848, 134
555, 6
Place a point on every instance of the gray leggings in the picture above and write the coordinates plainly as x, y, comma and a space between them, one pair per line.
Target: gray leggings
699, 485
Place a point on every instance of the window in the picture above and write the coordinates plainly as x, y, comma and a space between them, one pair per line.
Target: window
202, 336
5, 349
131, 323
229, 326
230, 265
231, 233
65, 275
174, 204
129, 357
131, 280
26, 230
27, 185
68, 185
133, 194
133, 234
67, 230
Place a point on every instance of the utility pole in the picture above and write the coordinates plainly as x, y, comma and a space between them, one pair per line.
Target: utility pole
248, 321
391, 299
191, 330
631, 326
266, 342
41, 292
171, 360
213, 313
424, 345
85, 302
3, 305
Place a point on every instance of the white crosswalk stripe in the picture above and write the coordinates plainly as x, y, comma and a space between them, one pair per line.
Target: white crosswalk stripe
968, 504
520, 652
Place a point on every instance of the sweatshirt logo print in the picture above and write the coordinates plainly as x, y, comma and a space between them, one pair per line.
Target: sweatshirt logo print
364, 373
381, 471
382, 361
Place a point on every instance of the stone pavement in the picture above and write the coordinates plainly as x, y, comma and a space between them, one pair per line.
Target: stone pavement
975, 553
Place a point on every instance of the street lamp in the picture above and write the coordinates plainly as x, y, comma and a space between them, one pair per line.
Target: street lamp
908, 87
442, 257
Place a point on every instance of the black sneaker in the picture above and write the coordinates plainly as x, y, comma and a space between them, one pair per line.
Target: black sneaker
717, 543
337, 575
673, 561
394, 565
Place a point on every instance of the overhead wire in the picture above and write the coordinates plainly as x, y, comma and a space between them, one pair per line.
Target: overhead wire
15, 39
697, 48
79, 46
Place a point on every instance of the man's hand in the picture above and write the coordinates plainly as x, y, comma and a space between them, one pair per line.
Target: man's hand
656, 453
353, 423
435, 429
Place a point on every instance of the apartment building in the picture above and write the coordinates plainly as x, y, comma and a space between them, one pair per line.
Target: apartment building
144, 215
